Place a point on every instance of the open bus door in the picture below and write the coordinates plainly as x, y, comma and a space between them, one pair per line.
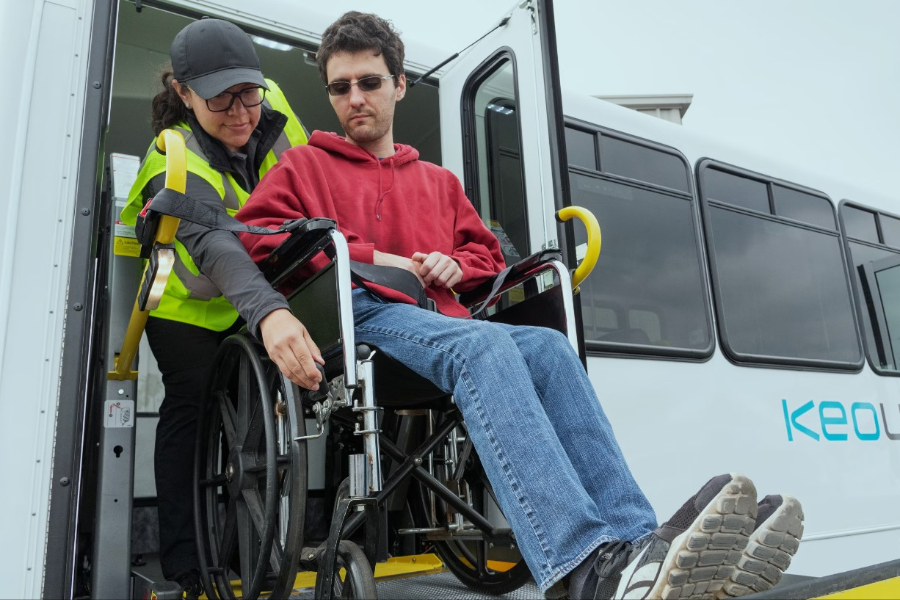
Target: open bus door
501, 114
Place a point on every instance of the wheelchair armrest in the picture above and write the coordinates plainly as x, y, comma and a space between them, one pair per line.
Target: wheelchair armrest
520, 272
302, 244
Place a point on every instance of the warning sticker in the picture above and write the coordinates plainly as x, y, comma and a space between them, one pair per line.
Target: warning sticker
119, 413
124, 246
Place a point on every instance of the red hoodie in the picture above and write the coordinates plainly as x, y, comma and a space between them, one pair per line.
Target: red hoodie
399, 205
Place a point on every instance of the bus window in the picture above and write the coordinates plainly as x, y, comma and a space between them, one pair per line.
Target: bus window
890, 231
642, 164
497, 186
781, 289
881, 286
580, 146
859, 224
648, 293
870, 256
801, 206
733, 189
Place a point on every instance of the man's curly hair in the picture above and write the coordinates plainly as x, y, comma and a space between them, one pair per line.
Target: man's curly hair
358, 32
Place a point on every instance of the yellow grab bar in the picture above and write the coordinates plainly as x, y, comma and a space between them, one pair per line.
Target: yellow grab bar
593, 240
170, 143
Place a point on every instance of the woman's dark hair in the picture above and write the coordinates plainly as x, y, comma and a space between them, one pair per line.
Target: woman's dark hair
357, 32
167, 107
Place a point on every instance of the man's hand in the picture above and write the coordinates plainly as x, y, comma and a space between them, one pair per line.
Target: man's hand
393, 260
288, 343
437, 269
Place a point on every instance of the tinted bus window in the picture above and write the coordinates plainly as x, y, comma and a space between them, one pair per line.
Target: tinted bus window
888, 281
644, 164
647, 294
733, 189
808, 208
875, 309
859, 224
580, 148
782, 293
890, 231
782, 290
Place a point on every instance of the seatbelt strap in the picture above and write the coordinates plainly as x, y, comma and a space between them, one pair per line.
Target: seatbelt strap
498, 283
175, 204
394, 278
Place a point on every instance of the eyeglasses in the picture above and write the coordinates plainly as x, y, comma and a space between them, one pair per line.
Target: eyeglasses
252, 96
366, 84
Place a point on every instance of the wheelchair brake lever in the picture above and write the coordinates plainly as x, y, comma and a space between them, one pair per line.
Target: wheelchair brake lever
322, 400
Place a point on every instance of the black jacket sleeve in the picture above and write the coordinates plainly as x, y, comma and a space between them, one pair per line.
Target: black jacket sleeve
220, 256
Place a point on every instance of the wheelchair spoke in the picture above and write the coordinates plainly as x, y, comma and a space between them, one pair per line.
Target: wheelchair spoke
255, 509
229, 536
276, 557
226, 410
250, 426
247, 540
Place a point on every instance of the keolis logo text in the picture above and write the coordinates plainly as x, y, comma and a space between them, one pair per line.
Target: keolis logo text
832, 421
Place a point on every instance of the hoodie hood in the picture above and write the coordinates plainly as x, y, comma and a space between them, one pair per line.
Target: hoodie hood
332, 142
403, 155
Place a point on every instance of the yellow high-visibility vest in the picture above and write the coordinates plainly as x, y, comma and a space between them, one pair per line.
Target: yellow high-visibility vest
190, 297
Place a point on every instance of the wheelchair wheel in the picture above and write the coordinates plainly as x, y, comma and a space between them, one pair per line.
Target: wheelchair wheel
250, 492
480, 565
357, 581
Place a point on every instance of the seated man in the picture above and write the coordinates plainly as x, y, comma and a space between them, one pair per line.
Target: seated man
531, 411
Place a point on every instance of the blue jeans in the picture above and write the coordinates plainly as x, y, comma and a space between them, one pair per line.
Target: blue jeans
536, 423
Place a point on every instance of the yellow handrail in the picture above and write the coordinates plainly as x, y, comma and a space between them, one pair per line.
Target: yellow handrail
170, 143
593, 240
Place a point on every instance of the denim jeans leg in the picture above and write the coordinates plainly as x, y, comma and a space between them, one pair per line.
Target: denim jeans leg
572, 406
556, 522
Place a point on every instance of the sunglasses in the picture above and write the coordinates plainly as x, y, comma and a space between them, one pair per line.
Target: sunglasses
366, 84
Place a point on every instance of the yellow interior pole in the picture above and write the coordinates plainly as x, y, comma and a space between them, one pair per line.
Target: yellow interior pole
593, 240
170, 143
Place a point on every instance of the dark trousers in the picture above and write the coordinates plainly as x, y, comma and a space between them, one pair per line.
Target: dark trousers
185, 354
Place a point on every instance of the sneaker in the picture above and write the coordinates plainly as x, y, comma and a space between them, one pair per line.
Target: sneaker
775, 539
692, 555
598, 576
190, 584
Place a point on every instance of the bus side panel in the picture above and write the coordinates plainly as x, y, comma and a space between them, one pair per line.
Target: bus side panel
680, 423
46, 86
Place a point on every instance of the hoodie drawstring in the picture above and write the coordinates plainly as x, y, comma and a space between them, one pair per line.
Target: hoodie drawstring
381, 192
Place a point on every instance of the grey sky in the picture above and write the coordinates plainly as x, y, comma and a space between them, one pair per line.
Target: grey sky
814, 82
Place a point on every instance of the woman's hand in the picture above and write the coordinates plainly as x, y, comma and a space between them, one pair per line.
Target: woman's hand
288, 343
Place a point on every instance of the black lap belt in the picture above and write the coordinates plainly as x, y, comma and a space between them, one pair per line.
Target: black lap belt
175, 204
394, 278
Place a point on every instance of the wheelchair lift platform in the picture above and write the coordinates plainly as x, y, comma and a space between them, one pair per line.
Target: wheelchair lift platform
423, 577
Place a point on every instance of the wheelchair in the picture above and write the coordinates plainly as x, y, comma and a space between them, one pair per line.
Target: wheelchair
413, 479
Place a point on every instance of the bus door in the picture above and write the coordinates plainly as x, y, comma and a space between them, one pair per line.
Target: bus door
501, 118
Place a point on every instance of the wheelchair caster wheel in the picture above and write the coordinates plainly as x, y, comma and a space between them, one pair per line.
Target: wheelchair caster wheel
358, 580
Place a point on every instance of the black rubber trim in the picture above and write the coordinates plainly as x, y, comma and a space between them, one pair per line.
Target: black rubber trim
832, 584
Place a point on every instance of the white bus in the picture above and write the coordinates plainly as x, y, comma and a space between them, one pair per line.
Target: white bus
733, 293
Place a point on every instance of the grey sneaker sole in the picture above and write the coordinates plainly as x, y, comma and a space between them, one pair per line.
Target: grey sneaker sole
768, 553
702, 559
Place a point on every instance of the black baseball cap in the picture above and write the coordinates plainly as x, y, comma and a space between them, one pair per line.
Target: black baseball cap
211, 55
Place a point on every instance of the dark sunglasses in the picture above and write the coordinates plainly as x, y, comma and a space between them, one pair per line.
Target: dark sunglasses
366, 84
249, 97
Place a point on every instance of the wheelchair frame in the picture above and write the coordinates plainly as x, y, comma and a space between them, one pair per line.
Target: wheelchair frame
350, 389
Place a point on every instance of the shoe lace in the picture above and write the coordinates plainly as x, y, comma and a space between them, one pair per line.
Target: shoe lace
612, 559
